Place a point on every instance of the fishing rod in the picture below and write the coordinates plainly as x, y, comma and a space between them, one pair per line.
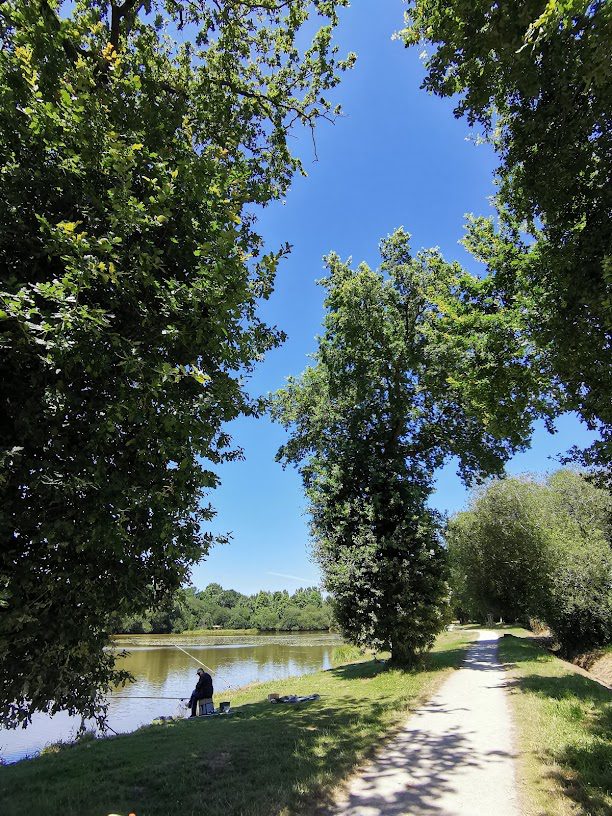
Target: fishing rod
229, 688
141, 697
194, 658
151, 697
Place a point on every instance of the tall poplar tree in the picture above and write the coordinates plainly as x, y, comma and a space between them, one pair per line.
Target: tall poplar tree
404, 377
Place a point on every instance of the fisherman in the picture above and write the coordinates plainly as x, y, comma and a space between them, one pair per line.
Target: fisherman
204, 692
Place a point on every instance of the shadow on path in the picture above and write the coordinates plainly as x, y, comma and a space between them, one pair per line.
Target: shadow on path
454, 755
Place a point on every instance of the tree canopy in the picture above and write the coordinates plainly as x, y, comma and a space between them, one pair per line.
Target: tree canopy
135, 141
537, 549
534, 76
406, 375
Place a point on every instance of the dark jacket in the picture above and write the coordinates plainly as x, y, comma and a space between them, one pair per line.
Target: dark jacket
204, 688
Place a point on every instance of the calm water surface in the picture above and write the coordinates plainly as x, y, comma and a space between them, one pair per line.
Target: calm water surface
162, 670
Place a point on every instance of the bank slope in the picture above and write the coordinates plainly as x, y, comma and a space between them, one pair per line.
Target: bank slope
564, 729
264, 759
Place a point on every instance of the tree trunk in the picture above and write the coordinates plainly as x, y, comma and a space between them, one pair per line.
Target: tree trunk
402, 655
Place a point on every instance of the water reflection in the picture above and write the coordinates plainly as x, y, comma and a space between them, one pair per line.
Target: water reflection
164, 674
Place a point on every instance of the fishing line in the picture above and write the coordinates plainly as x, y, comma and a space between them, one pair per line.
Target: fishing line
194, 658
141, 697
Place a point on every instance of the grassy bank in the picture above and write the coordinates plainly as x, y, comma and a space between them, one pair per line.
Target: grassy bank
264, 759
564, 725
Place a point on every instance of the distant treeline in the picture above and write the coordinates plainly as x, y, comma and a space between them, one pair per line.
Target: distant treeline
214, 607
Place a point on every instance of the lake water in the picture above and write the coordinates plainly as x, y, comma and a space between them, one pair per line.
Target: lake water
164, 674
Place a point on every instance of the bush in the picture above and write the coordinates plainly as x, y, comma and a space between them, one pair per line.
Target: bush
579, 610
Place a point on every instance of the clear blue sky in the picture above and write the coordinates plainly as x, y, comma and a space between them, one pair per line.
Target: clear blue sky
396, 157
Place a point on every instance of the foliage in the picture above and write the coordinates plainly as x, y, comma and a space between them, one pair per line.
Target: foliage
135, 140
214, 607
287, 758
406, 375
535, 77
526, 548
499, 552
579, 607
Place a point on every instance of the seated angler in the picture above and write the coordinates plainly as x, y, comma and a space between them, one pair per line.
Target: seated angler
202, 692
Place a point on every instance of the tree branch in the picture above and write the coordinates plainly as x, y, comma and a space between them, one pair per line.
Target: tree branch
72, 51
267, 102
117, 14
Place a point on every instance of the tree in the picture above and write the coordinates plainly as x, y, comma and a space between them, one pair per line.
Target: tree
131, 276
500, 553
266, 619
406, 375
310, 596
535, 77
239, 618
579, 607
526, 548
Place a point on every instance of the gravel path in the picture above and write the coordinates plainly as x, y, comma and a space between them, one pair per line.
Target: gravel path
454, 756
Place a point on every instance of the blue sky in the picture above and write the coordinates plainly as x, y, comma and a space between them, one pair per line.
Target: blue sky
396, 157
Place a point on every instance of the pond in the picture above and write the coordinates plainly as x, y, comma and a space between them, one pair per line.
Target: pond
164, 673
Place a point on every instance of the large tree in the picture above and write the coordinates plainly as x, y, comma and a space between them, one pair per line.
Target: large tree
528, 548
135, 141
406, 375
500, 554
534, 77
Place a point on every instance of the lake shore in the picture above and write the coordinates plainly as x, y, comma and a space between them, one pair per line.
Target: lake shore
259, 760
163, 667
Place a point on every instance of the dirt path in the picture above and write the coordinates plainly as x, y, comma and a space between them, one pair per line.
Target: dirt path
454, 756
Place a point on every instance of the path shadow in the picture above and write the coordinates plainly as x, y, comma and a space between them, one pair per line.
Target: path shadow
415, 770
482, 656
429, 761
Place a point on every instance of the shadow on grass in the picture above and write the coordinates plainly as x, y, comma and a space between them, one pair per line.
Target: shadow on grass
582, 768
432, 661
263, 760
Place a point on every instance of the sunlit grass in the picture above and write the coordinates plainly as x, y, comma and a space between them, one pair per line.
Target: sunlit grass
264, 759
345, 653
564, 723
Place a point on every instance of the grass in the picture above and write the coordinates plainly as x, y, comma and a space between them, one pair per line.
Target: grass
264, 759
345, 653
564, 724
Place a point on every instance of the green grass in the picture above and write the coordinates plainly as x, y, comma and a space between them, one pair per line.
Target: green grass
265, 759
345, 653
564, 724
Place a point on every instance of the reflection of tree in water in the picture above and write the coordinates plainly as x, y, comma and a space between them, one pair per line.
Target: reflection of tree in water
161, 670
233, 664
